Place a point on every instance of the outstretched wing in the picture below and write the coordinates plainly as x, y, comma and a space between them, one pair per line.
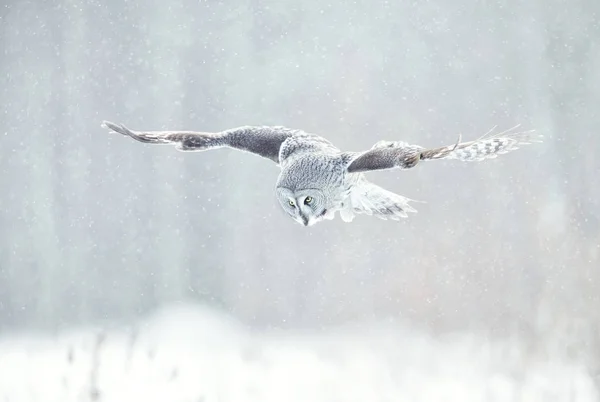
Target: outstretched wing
389, 155
264, 141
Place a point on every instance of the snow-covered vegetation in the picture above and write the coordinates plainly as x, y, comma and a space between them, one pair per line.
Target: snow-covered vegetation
189, 353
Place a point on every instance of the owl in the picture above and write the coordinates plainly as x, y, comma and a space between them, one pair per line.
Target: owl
317, 179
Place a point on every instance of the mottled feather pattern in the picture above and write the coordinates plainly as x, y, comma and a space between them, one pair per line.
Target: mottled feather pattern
311, 170
302, 142
484, 149
488, 146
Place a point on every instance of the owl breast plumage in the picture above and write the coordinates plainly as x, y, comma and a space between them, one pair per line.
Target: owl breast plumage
317, 179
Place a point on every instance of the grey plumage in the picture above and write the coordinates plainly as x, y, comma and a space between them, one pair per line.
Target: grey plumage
317, 179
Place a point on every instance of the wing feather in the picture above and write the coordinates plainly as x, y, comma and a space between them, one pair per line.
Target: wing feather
370, 199
401, 155
264, 141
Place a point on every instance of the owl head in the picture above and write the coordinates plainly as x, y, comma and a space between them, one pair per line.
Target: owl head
306, 206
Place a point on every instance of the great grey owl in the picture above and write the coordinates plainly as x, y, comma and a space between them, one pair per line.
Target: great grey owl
317, 179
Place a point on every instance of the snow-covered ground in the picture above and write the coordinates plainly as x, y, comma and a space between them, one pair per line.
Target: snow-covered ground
195, 354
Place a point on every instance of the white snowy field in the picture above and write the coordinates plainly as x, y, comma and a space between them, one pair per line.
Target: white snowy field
187, 353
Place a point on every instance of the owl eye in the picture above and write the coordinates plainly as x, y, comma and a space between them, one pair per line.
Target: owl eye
308, 200
292, 203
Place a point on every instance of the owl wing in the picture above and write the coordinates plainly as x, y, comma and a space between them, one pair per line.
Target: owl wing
264, 141
389, 155
371, 199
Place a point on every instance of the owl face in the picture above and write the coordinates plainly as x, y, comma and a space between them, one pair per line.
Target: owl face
307, 206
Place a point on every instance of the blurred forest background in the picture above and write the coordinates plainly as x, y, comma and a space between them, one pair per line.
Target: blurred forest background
95, 227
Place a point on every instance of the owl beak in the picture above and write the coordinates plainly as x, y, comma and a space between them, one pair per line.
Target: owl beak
304, 219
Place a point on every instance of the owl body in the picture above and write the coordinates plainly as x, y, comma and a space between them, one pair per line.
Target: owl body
317, 179
313, 183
